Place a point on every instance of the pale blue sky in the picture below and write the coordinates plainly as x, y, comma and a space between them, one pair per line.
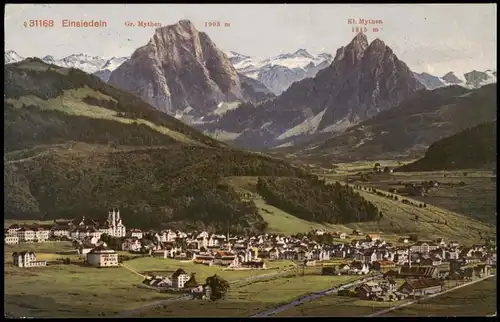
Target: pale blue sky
434, 38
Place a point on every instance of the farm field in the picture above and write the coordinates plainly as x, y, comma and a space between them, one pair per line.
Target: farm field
335, 306
165, 267
72, 291
241, 301
478, 299
47, 251
398, 219
338, 306
476, 198
77, 291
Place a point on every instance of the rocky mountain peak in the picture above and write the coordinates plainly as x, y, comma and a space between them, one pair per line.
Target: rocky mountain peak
302, 53
354, 49
377, 43
452, 78
359, 43
180, 71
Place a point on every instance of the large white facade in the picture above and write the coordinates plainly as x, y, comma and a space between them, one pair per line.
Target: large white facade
116, 227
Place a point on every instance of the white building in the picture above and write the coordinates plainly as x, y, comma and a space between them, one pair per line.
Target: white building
179, 278
11, 239
41, 234
81, 233
101, 256
114, 222
13, 229
26, 235
131, 244
136, 233
171, 236
26, 259
60, 231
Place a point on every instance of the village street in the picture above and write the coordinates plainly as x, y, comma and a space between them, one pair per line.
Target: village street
312, 297
427, 297
146, 307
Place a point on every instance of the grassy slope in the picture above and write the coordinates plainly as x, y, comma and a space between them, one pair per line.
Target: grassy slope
400, 215
476, 199
71, 103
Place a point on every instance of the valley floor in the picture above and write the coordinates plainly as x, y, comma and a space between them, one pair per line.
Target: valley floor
398, 218
78, 290
476, 198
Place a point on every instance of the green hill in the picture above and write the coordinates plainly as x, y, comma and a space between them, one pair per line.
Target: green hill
470, 149
75, 146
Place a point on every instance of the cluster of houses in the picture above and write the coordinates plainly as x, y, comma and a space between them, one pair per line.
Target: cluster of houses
84, 228
365, 252
387, 290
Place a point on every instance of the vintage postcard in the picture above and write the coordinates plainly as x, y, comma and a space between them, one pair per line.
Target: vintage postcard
250, 160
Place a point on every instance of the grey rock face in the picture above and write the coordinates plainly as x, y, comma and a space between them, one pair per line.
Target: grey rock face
180, 68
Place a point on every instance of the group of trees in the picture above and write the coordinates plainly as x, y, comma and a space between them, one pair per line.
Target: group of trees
312, 199
219, 287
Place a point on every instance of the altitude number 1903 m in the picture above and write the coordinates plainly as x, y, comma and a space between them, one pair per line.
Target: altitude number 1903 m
217, 24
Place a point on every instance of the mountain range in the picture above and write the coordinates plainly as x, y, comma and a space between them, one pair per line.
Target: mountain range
87, 63
471, 80
280, 72
231, 96
363, 79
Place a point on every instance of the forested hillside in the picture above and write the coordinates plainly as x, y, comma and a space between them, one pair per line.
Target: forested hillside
313, 200
472, 148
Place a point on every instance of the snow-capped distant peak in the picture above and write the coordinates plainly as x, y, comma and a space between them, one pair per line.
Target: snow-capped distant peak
302, 53
87, 63
453, 78
279, 72
49, 59
114, 62
238, 60
233, 54
11, 57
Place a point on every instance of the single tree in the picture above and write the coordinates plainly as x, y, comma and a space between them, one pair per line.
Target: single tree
218, 286
105, 238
